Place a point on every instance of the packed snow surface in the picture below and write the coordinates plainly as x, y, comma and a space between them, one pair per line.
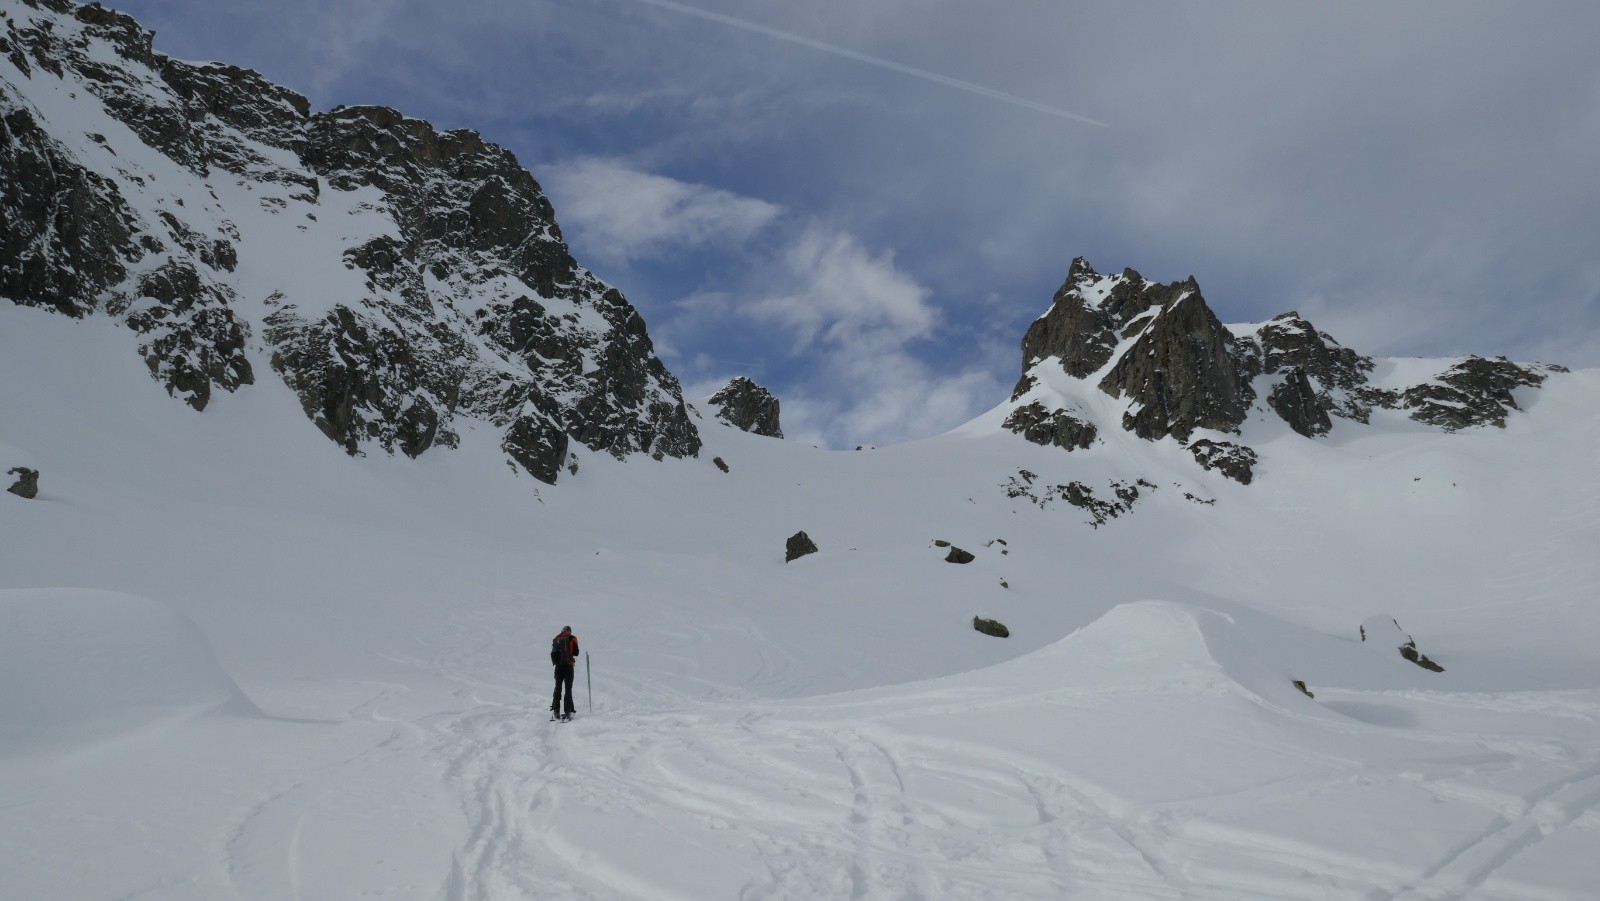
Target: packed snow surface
237, 663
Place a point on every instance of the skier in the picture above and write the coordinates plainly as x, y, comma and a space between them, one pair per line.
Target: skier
564, 654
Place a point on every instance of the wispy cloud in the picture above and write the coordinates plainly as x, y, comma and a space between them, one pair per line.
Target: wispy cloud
853, 329
625, 214
844, 297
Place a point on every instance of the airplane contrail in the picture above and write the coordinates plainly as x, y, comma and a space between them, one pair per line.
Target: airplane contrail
878, 61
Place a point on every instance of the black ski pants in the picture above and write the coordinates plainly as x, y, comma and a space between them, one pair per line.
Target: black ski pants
564, 674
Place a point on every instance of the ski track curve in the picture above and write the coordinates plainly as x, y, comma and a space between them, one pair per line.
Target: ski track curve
817, 798
838, 802
824, 798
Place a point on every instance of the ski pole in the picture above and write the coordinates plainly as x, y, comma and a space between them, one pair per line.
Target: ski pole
588, 676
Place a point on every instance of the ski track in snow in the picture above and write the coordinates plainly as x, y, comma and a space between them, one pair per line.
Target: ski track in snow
834, 802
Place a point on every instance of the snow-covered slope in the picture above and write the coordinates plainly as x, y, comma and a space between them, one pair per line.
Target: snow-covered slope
828, 727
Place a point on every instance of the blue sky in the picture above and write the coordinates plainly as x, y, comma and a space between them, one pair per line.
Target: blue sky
863, 203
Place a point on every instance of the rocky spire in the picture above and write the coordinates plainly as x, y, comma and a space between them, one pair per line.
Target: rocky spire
1180, 372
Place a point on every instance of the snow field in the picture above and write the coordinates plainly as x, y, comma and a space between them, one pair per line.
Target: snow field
831, 727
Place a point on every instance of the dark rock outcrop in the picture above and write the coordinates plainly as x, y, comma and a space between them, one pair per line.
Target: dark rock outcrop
957, 555
55, 210
1181, 374
1301, 687
1078, 494
1474, 392
1056, 428
1235, 461
1299, 405
24, 482
798, 545
192, 341
1386, 632
990, 627
1290, 342
748, 407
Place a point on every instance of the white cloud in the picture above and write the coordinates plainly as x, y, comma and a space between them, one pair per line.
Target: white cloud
846, 298
620, 214
846, 339
856, 319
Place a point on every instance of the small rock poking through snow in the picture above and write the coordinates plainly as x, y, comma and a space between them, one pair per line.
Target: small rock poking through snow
1385, 631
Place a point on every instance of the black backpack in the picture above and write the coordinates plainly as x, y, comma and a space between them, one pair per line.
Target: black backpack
561, 650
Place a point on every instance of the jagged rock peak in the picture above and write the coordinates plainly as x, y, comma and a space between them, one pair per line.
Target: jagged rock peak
1157, 345
748, 407
1088, 312
443, 288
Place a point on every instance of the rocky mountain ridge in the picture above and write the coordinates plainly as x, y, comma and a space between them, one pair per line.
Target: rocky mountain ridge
401, 280
1178, 370
406, 283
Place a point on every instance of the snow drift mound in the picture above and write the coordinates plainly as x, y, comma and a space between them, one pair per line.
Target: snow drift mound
80, 665
1212, 646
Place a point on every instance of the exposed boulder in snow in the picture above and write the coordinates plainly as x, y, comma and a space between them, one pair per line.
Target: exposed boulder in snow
81, 665
24, 482
135, 184
1474, 392
720, 463
798, 545
991, 627
1057, 428
1301, 685
1385, 631
957, 555
748, 407
19, 474
1235, 461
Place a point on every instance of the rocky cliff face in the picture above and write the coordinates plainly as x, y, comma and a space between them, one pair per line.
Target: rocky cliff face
1158, 346
401, 280
748, 407
1162, 352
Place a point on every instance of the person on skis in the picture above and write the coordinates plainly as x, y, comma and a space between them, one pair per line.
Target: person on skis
564, 654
